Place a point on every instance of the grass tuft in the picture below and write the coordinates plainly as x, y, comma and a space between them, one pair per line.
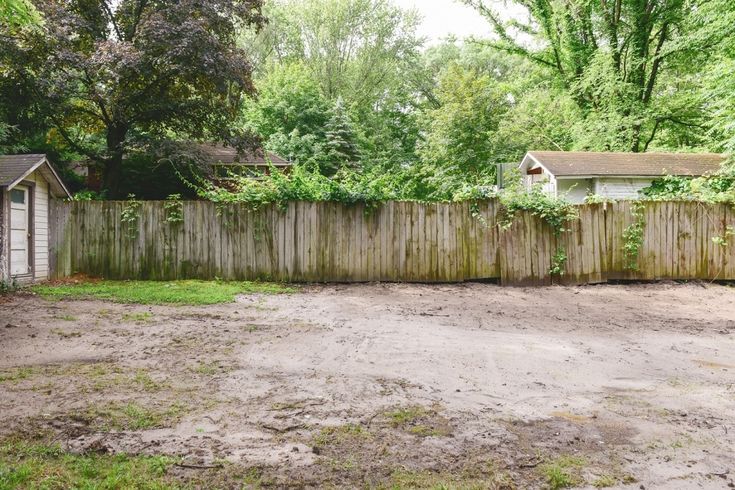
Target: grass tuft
15, 375
132, 416
419, 421
563, 472
34, 465
163, 293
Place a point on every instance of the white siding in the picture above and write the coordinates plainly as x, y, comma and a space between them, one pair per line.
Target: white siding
575, 190
621, 188
40, 226
547, 180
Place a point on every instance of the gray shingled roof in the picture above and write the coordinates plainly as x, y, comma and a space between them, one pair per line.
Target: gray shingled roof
230, 156
12, 167
15, 167
581, 163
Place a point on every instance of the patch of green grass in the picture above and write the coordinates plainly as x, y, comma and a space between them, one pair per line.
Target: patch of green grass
404, 416
64, 334
158, 292
16, 374
131, 416
426, 431
207, 368
419, 421
402, 479
563, 472
67, 318
35, 465
144, 380
605, 481
138, 317
254, 478
341, 433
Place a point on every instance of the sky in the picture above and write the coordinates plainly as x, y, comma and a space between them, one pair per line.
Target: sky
447, 17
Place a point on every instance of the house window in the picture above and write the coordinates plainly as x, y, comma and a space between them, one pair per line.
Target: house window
17, 197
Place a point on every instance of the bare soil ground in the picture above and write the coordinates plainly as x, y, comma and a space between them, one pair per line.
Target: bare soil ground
390, 385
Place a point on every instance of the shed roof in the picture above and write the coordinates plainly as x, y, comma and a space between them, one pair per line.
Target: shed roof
582, 163
225, 155
15, 168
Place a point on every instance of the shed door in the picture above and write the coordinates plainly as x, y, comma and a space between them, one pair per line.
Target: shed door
20, 233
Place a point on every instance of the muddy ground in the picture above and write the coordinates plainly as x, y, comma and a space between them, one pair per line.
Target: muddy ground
390, 385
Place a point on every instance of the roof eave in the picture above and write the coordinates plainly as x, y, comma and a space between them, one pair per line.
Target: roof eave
43, 160
621, 176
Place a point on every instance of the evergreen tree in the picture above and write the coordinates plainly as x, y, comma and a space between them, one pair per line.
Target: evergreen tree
341, 145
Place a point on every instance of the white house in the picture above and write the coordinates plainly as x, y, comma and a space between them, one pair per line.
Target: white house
613, 175
27, 182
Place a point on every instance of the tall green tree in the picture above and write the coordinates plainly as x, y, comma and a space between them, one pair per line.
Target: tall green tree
290, 114
363, 51
341, 147
611, 55
352, 47
710, 35
108, 74
18, 13
459, 141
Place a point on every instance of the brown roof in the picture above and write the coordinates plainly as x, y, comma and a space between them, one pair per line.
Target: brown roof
14, 168
226, 155
582, 163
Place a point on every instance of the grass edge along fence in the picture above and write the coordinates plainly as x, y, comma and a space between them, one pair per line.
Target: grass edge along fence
393, 241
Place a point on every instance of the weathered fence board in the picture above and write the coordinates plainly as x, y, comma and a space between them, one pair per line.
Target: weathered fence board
396, 241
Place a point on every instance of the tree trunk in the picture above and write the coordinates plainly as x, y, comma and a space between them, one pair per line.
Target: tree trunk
113, 165
112, 175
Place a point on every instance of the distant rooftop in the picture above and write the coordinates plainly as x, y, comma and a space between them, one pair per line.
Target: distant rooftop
226, 155
583, 163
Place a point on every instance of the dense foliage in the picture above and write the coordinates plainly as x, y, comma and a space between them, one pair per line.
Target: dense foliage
105, 76
363, 106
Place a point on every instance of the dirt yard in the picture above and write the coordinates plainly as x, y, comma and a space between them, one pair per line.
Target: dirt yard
393, 386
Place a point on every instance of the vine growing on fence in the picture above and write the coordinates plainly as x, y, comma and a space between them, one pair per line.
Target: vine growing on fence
554, 211
722, 240
174, 209
130, 215
633, 237
558, 261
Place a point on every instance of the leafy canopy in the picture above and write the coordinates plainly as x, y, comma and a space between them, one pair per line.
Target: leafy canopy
110, 75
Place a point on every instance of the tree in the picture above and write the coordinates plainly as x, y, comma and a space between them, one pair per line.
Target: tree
710, 30
459, 140
110, 74
351, 47
341, 148
18, 13
364, 51
289, 114
610, 55
542, 119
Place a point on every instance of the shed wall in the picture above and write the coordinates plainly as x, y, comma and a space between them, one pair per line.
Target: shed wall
575, 190
4, 239
621, 188
547, 181
40, 226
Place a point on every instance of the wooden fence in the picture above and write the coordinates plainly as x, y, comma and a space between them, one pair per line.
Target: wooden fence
397, 241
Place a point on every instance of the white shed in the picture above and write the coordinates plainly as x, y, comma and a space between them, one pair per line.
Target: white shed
27, 182
577, 174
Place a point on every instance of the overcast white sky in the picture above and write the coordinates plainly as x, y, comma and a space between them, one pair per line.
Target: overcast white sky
445, 17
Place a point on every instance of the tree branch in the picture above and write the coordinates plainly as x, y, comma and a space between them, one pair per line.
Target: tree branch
656, 64
111, 17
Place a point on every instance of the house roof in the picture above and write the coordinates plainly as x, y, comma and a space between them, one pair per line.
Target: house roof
225, 155
15, 168
593, 164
